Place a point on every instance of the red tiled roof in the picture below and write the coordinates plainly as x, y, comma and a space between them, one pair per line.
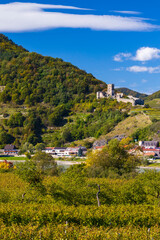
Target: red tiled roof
99, 147
149, 154
151, 150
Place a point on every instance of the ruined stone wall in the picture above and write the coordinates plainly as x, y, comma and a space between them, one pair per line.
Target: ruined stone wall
125, 100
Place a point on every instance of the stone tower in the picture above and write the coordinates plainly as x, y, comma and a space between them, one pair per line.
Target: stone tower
110, 90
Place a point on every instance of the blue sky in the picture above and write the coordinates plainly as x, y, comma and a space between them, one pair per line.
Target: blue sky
117, 41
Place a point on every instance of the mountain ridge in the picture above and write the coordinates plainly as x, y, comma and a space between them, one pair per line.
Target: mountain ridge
128, 91
31, 78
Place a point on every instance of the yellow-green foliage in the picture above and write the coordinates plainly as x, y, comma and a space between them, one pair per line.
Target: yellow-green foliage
72, 232
41, 216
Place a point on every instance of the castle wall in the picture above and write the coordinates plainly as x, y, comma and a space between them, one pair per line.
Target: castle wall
100, 95
119, 96
125, 100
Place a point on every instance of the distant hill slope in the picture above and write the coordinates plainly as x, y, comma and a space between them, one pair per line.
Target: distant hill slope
31, 78
153, 96
51, 101
128, 91
130, 125
155, 103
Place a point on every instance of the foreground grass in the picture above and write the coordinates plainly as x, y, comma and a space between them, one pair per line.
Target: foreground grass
154, 165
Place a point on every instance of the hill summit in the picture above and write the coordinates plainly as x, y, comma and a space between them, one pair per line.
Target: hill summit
128, 91
31, 78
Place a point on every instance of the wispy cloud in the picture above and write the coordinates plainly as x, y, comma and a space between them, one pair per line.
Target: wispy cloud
127, 12
20, 17
120, 57
144, 81
122, 81
138, 69
31, 6
143, 54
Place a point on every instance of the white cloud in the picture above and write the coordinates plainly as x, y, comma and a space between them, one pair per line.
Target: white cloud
144, 81
122, 81
127, 12
121, 56
146, 53
20, 17
18, 6
143, 54
118, 69
138, 69
133, 85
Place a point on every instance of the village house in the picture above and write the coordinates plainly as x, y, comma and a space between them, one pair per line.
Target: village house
149, 144
99, 148
49, 150
149, 148
155, 152
136, 151
65, 152
10, 150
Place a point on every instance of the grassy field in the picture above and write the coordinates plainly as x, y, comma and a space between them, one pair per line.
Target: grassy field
4, 108
12, 158
154, 165
130, 125
152, 113
155, 103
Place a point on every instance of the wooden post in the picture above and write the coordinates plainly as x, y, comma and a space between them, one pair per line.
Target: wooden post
97, 195
23, 196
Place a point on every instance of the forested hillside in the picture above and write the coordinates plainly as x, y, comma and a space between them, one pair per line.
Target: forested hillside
31, 78
51, 101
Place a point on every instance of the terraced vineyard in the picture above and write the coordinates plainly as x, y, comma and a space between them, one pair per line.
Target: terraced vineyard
66, 208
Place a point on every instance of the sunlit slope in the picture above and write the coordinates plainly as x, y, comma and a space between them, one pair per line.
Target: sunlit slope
130, 125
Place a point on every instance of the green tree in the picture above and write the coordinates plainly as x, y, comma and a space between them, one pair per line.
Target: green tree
16, 120
112, 157
27, 147
28, 171
45, 163
40, 146
5, 138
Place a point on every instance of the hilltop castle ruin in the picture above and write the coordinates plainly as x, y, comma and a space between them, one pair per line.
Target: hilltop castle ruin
110, 93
